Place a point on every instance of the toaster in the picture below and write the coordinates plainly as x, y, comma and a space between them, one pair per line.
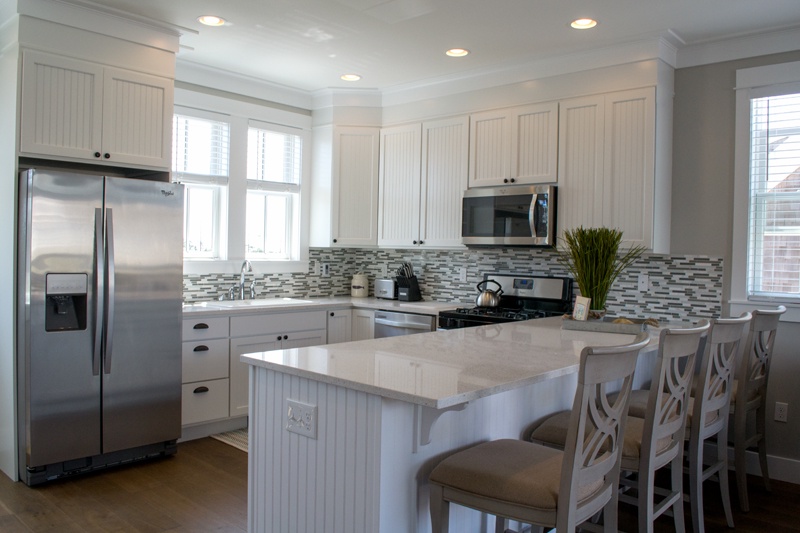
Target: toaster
386, 289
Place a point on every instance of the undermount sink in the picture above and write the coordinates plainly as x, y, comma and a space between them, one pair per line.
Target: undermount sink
259, 302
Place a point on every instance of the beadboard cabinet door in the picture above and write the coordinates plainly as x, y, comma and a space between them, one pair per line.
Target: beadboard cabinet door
606, 168
514, 146
81, 111
445, 157
398, 209
422, 179
354, 198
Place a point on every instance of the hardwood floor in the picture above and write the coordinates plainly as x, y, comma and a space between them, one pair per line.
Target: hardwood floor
204, 488
201, 488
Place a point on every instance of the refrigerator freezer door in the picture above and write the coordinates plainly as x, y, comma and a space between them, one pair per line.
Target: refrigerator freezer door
59, 394
142, 354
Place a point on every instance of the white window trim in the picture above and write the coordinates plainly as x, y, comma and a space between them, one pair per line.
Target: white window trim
241, 112
767, 80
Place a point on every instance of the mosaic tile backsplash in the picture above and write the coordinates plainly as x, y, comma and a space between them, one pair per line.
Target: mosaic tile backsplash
681, 285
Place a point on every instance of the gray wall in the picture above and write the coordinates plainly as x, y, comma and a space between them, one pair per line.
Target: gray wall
702, 211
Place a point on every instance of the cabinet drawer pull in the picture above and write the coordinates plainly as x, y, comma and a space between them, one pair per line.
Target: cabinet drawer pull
201, 325
201, 348
200, 390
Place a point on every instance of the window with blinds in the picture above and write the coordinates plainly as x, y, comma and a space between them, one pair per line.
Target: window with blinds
274, 167
200, 160
200, 146
273, 156
774, 210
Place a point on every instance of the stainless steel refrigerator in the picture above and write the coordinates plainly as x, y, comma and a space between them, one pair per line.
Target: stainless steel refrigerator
99, 321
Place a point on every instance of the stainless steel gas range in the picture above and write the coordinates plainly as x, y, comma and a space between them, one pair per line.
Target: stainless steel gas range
521, 297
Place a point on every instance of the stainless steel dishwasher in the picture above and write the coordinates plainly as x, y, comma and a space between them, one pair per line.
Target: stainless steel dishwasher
393, 324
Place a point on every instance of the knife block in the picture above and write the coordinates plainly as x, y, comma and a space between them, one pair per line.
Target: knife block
408, 289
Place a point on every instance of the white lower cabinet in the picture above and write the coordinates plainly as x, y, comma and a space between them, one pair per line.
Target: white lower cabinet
204, 401
363, 325
339, 328
205, 370
275, 331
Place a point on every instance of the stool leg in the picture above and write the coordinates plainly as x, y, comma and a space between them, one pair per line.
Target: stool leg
696, 483
440, 510
722, 455
739, 454
761, 417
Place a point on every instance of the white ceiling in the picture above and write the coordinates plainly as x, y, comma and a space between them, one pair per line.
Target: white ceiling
308, 44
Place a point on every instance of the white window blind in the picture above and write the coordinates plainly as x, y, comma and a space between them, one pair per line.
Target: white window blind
200, 160
774, 210
200, 146
274, 156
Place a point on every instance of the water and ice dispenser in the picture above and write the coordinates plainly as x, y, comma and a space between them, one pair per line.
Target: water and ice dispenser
65, 296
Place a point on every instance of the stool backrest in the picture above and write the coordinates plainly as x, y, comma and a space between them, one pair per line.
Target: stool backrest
592, 452
753, 369
713, 391
668, 401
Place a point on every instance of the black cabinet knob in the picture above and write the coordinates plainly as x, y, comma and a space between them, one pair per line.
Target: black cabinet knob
97, 154
285, 337
334, 241
414, 242
107, 155
513, 180
505, 180
278, 338
331, 313
422, 242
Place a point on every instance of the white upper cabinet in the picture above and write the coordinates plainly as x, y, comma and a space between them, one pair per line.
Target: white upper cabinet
423, 175
514, 146
344, 192
606, 164
81, 111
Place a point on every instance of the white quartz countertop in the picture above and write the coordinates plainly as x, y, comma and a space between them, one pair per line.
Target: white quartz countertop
264, 305
445, 368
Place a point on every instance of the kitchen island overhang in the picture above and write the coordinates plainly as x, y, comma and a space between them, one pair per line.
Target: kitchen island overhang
378, 424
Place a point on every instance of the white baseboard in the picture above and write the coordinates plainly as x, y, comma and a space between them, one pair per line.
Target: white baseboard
780, 468
204, 430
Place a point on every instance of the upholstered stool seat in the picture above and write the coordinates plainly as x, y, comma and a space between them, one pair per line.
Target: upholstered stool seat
515, 471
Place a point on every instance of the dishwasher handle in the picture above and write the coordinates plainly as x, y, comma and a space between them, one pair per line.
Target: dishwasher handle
404, 325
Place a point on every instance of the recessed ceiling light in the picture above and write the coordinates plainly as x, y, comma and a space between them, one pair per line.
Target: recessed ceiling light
457, 52
350, 77
583, 24
211, 20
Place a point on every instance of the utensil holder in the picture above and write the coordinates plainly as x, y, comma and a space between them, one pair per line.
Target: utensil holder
408, 289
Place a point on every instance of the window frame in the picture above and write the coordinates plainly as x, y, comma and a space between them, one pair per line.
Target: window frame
241, 112
770, 80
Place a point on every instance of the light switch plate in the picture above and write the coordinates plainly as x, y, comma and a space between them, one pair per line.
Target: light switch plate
301, 418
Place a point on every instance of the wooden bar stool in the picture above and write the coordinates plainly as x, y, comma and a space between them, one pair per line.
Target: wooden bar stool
657, 440
750, 395
543, 486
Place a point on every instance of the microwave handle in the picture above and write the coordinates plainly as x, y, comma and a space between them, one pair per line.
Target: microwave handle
532, 214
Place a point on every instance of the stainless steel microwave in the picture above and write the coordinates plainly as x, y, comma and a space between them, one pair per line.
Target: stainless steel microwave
509, 216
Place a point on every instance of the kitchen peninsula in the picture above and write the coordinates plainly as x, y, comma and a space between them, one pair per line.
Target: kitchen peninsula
342, 437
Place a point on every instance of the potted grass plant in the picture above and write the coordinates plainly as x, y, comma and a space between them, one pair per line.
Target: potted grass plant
593, 257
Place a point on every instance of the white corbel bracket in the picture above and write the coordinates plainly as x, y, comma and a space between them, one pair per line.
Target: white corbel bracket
424, 419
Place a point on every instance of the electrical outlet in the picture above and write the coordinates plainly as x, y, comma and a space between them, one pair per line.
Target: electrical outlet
384, 270
644, 283
301, 418
462, 275
326, 269
781, 412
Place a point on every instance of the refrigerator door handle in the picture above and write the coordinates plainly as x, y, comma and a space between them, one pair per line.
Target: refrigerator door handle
99, 274
110, 273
